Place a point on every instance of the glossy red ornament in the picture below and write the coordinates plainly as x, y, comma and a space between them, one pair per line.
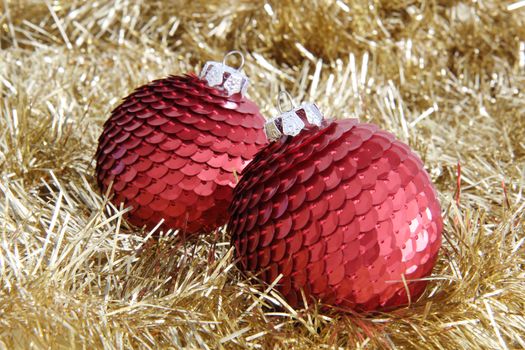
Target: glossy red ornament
343, 211
172, 149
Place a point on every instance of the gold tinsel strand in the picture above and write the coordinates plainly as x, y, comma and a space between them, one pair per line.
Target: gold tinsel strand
447, 76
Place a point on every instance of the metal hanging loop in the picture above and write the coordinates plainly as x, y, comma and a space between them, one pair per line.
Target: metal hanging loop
280, 99
234, 52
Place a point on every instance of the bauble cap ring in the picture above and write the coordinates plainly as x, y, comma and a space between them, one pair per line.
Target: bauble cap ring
292, 121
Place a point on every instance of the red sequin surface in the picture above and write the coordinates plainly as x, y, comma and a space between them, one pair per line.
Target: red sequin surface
171, 149
342, 212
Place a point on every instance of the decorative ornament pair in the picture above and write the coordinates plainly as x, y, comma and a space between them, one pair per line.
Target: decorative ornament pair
339, 210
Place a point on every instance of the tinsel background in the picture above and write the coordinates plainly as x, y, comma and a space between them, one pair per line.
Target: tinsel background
446, 76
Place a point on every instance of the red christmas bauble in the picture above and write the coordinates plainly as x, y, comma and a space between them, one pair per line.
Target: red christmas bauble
172, 149
344, 212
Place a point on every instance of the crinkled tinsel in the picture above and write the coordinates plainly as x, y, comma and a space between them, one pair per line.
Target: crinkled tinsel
445, 76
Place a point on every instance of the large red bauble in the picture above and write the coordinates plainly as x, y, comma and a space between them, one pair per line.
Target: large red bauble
172, 149
344, 212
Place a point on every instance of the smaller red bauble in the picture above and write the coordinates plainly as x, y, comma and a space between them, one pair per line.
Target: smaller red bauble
172, 149
345, 212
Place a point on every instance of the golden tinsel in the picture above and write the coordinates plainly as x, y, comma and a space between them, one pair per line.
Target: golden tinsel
447, 76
